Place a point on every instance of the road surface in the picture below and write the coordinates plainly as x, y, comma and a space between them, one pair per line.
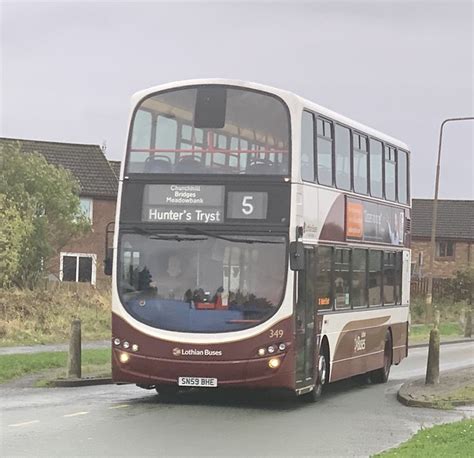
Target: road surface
353, 419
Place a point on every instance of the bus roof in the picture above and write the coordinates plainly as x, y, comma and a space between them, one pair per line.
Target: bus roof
293, 100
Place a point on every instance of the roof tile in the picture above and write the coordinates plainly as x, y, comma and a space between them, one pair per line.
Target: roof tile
86, 162
455, 219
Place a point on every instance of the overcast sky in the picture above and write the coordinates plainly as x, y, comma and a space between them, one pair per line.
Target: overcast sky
68, 69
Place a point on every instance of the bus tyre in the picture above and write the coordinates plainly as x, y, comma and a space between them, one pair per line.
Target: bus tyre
322, 376
166, 393
381, 375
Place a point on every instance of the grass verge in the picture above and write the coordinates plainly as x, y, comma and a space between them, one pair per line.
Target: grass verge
15, 366
461, 396
44, 316
453, 440
420, 333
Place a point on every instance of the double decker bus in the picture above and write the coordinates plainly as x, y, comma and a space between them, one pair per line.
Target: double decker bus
261, 241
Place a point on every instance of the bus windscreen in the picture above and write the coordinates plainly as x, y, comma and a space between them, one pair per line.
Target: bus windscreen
210, 129
201, 282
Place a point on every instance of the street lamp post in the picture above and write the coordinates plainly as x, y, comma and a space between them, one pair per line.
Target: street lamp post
432, 367
429, 295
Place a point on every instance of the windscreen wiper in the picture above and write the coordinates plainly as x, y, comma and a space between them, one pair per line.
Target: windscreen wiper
193, 230
173, 237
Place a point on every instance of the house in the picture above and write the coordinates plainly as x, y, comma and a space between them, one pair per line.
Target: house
81, 260
454, 237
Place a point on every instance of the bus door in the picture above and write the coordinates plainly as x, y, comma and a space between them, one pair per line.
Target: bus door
305, 317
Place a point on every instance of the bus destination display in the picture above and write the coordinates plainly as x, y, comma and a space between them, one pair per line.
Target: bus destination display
183, 203
200, 204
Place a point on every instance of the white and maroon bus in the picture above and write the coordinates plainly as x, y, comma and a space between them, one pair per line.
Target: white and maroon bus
261, 241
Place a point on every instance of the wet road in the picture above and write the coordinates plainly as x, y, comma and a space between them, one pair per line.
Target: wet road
353, 419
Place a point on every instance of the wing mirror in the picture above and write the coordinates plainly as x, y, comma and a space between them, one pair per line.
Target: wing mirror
296, 256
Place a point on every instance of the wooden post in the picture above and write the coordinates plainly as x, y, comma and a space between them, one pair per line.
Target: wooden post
432, 367
468, 323
74, 360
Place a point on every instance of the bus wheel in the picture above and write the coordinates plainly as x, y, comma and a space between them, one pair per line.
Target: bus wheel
315, 394
166, 393
381, 375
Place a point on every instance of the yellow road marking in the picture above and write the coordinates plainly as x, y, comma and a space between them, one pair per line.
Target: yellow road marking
25, 423
75, 414
120, 406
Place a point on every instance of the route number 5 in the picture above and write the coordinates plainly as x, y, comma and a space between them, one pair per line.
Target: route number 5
247, 207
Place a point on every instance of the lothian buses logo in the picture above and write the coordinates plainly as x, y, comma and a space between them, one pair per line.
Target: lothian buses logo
195, 352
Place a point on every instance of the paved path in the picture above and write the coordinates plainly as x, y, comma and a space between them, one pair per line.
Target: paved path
352, 419
51, 347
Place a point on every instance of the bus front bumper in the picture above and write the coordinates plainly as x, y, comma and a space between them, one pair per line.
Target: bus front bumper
266, 372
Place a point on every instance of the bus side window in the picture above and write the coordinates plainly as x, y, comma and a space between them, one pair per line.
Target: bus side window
341, 278
360, 163
323, 278
398, 276
307, 147
375, 277
402, 163
389, 278
359, 278
376, 176
390, 192
343, 157
324, 151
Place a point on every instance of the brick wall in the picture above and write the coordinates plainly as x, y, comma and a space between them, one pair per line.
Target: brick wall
94, 242
443, 267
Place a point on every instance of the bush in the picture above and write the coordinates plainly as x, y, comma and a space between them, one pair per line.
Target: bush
461, 287
43, 315
39, 213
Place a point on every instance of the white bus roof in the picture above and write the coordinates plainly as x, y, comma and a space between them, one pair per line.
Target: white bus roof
288, 97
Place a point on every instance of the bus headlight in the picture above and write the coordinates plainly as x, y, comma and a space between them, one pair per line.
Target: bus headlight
124, 358
116, 341
271, 349
126, 345
274, 363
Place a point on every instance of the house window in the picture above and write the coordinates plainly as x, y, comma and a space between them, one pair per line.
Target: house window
78, 267
445, 249
86, 207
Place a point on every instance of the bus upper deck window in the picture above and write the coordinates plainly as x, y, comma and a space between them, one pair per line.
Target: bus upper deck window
210, 130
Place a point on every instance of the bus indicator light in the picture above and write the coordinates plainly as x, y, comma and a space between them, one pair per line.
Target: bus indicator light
134, 347
281, 347
261, 352
116, 341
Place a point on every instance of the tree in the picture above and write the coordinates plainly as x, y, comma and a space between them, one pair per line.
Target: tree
39, 213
